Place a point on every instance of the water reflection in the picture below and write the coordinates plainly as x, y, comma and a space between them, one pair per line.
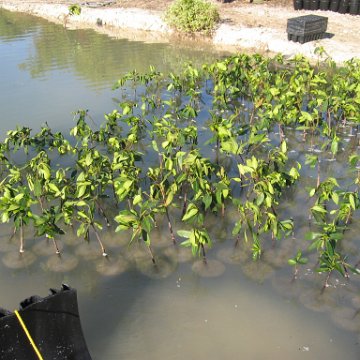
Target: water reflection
52, 71
13, 27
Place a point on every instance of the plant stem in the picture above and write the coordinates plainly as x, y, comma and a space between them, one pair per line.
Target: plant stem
184, 204
151, 254
203, 253
170, 226
99, 240
57, 251
326, 283
21, 250
318, 174
102, 212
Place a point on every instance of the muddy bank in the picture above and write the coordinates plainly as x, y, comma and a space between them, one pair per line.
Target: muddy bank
246, 27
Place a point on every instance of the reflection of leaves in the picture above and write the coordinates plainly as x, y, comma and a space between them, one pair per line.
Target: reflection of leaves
94, 57
13, 25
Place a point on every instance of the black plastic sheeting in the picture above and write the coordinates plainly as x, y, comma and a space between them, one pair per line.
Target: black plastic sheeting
53, 323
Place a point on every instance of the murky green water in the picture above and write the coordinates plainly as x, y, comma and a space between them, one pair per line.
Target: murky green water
47, 72
236, 308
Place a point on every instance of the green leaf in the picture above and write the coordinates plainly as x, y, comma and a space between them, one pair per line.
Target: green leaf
271, 189
169, 199
318, 208
352, 201
186, 243
45, 171
260, 199
221, 66
83, 215
146, 224
137, 199
121, 227
81, 203
53, 188
126, 217
335, 197
5, 217
237, 228
184, 233
126, 110
230, 146
81, 191
18, 197
191, 211
155, 146
335, 145
127, 184
207, 200
311, 236
312, 192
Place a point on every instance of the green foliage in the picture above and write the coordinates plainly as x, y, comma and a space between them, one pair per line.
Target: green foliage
74, 9
145, 166
192, 16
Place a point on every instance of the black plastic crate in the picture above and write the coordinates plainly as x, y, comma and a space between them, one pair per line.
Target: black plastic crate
306, 28
304, 38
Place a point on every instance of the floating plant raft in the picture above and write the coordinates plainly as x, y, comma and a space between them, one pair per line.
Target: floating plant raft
306, 28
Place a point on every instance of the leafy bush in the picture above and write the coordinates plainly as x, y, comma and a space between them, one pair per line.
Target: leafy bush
192, 16
74, 9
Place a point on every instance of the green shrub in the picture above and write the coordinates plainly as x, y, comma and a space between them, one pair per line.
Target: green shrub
74, 9
192, 16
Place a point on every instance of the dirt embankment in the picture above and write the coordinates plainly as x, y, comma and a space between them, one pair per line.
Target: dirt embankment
244, 26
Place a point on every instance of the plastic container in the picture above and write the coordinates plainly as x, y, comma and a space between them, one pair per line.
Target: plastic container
354, 7
334, 5
307, 4
298, 4
306, 28
344, 6
304, 38
314, 4
324, 5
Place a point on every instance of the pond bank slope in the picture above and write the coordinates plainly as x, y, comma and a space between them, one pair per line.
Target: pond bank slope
247, 27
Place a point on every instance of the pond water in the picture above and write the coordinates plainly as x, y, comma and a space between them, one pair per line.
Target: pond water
236, 308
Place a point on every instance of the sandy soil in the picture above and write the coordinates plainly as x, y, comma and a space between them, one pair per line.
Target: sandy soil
244, 26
